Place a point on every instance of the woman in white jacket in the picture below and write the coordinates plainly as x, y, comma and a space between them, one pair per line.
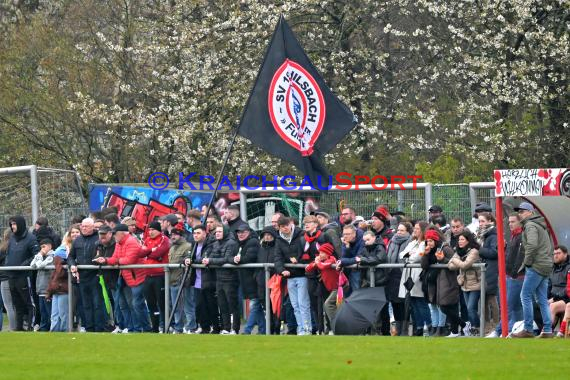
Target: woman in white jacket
412, 254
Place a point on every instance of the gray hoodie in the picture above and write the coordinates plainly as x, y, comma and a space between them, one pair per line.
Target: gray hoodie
537, 245
42, 280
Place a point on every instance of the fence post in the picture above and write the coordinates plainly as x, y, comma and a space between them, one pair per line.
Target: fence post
34, 191
167, 298
69, 301
473, 199
482, 301
372, 276
428, 199
243, 206
267, 302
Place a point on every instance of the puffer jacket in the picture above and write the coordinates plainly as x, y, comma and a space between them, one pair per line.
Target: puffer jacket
537, 245
558, 281
127, 252
207, 275
445, 291
266, 255
248, 251
371, 255
156, 252
489, 255
332, 230
43, 275
223, 252
469, 278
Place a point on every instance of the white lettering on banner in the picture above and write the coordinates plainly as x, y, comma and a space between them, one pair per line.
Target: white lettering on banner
530, 182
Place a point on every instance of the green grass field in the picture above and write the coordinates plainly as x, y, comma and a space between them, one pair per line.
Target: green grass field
106, 356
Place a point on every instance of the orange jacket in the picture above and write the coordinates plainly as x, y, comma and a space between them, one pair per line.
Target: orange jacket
127, 252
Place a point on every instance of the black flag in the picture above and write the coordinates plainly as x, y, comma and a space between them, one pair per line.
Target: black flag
291, 113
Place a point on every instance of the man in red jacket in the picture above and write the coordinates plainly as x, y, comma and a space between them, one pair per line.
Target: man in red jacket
155, 248
127, 252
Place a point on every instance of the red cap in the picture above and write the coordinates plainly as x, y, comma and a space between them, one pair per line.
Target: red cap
327, 248
432, 235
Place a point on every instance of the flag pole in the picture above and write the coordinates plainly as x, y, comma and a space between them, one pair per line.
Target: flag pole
219, 178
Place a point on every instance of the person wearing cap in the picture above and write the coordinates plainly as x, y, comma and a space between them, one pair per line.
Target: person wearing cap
537, 265
381, 226
155, 248
441, 285
40, 261
177, 253
248, 252
167, 223
310, 242
266, 255
106, 248
83, 251
128, 252
434, 211
323, 264
224, 250
233, 220
331, 229
479, 208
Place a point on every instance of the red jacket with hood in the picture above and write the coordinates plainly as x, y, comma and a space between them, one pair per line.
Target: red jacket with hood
127, 252
156, 252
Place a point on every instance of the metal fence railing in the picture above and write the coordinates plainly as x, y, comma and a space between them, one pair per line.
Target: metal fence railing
266, 267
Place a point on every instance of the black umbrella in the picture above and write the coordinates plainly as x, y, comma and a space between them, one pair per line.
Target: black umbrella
359, 311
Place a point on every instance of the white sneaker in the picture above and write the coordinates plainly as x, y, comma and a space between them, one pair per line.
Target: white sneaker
233, 332
559, 334
36, 328
117, 330
82, 330
125, 331
492, 334
198, 331
467, 329
331, 332
224, 332
452, 335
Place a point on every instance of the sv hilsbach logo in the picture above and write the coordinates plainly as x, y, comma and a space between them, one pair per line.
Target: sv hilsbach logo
296, 106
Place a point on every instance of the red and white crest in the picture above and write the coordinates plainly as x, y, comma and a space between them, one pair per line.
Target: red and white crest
296, 106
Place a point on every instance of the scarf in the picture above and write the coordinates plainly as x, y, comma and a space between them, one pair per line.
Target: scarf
462, 252
310, 238
481, 232
516, 232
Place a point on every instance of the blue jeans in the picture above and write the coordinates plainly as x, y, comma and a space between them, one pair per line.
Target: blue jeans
256, 317
190, 308
534, 283
45, 312
420, 312
59, 312
472, 302
93, 305
438, 318
138, 308
299, 295
178, 319
353, 280
123, 317
514, 305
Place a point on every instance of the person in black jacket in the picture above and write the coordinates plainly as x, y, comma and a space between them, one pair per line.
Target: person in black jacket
204, 282
42, 230
83, 251
289, 251
106, 248
267, 255
249, 250
22, 248
515, 276
557, 286
487, 238
233, 219
224, 251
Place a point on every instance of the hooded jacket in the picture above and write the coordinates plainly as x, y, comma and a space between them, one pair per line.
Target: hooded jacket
538, 248
248, 251
489, 255
332, 230
445, 290
22, 247
46, 232
469, 277
397, 245
156, 252
223, 252
266, 254
43, 275
178, 252
127, 252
